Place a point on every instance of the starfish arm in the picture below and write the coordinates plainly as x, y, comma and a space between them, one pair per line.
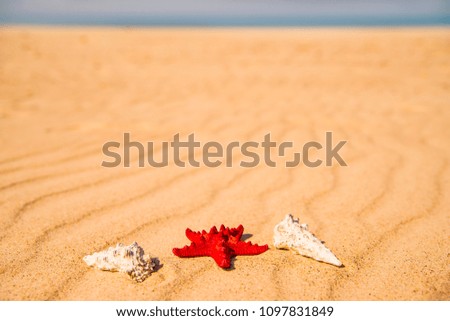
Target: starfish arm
192, 250
194, 237
240, 231
247, 248
222, 255
237, 232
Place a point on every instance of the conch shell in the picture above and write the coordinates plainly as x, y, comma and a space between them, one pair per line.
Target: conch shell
290, 234
127, 259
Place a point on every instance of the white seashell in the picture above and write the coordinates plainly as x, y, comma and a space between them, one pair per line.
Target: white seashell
290, 234
127, 259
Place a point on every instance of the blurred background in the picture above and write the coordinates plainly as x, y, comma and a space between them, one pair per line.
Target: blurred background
227, 12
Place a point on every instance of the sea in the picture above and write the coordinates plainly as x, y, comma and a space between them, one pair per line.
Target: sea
232, 21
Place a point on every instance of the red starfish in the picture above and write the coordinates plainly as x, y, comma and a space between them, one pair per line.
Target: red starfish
220, 245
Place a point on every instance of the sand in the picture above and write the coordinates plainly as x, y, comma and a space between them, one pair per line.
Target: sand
65, 92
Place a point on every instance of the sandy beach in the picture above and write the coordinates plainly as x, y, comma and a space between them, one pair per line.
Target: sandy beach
64, 92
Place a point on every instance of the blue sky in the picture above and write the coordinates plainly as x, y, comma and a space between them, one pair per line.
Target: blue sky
212, 11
